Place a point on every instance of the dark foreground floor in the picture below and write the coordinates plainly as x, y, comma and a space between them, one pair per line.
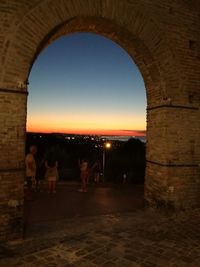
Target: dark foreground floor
100, 233
69, 203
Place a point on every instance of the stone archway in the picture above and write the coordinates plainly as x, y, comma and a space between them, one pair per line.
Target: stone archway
167, 55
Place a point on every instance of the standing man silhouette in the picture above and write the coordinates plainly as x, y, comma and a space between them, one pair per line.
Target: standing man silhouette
84, 173
30, 170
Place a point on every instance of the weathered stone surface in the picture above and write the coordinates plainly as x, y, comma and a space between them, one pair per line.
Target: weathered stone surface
138, 239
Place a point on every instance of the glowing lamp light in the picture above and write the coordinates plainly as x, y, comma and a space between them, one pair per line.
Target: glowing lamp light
107, 145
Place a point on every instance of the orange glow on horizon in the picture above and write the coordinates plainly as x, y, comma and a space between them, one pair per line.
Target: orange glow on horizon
95, 124
91, 132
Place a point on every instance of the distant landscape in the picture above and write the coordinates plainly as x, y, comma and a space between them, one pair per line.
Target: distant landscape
126, 155
123, 138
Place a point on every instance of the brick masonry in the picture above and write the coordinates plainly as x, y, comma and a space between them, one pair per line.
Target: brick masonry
163, 38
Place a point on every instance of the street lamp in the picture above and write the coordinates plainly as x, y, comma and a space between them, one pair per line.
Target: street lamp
106, 145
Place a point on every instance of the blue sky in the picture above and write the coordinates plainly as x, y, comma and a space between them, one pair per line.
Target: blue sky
85, 82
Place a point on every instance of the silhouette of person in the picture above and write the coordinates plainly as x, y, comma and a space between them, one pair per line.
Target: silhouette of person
40, 174
124, 178
96, 169
31, 168
51, 174
84, 174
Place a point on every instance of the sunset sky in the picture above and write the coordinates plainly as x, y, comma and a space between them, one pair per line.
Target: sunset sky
85, 83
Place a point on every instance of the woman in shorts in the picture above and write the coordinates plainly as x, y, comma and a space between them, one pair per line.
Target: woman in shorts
51, 174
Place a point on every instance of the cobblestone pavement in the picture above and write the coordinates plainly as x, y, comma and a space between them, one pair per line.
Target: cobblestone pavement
136, 239
107, 227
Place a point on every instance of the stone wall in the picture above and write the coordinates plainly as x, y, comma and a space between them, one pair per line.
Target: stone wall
163, 38
12, 147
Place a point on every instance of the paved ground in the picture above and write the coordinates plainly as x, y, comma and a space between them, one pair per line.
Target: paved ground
133, 238
69, 203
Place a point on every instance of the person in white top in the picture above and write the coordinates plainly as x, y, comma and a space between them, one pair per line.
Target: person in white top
31, 167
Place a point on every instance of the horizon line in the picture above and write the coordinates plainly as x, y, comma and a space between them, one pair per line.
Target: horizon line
136, 133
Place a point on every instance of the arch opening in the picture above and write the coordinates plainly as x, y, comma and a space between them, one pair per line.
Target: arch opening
125, 156
134, 46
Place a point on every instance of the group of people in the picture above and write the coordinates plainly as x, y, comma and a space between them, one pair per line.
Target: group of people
33, 180
33, 177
